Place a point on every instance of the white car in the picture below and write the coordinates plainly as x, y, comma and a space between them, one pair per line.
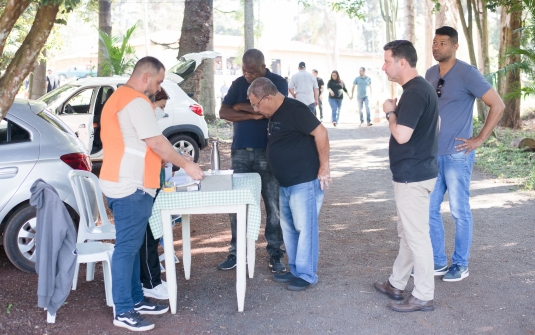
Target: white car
79, 104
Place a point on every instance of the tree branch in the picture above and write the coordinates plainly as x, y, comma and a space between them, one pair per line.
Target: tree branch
21, 64
9, 17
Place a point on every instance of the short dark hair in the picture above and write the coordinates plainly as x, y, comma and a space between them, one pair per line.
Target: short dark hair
403, 49
253, 57
162, 95
147, 63
261, 87
448, 31
363, 68
315, 71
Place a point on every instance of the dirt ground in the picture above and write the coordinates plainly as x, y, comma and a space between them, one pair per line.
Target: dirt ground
358, 244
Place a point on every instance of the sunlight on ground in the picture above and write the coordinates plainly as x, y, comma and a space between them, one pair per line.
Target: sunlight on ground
373, 230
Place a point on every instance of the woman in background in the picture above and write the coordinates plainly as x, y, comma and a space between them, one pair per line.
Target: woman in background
336, 89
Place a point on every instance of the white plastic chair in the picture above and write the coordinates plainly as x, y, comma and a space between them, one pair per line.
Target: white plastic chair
90, 207
92, 252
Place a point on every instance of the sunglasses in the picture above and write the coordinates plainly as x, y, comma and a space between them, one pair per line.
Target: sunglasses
439, 87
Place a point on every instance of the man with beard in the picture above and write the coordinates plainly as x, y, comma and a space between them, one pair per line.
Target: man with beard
248, 152
129, 177
457, 84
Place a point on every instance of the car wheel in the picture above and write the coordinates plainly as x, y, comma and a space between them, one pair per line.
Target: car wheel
20, 238
185, 144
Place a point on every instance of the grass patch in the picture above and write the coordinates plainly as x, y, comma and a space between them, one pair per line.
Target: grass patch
497, 157
220, 129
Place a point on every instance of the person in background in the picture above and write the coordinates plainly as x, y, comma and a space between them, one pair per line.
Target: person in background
248, 153
51, 81
223, 90
362, 82
298, 155
129, 178
457, 84
304, 87
321, 87
336, 88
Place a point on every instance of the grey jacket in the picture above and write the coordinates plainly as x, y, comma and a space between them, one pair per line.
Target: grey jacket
55, 247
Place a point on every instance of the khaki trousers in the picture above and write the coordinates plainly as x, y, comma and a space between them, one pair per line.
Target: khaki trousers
415, 250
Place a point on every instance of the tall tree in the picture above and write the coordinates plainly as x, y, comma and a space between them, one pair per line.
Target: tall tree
104, 25
248, 24
429, 33
389, 12
447, 14
409, 21
197, 36
21, 64
511, 22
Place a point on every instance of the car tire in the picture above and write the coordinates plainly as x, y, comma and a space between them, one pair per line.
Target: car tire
184, 143
19, 237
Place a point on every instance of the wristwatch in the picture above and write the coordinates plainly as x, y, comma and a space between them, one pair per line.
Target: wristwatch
388, 115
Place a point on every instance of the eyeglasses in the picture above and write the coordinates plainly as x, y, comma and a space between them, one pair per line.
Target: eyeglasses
439, 87
258, 103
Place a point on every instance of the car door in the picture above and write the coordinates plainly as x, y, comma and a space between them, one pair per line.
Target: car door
77, 113
19, 152
104, 93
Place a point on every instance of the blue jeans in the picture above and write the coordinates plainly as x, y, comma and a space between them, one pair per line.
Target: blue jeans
336, 105
366, 103
312, 108
131, 215
300, 207
244, 161
454, 172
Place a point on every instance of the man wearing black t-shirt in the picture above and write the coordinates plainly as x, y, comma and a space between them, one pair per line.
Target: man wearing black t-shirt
248, 152
413, 147
298, 155
321, 85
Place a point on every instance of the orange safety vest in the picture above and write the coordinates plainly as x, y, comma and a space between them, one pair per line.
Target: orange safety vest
113, 144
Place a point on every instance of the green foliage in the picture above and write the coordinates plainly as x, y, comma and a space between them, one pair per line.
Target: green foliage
496, 156
119, 56
353, 8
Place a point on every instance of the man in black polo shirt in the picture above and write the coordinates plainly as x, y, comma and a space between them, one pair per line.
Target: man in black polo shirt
298, 155
249, 152
412, 151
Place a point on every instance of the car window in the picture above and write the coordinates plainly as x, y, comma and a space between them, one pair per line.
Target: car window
54, 121
10, 132
59, 94
184, 68
80, 103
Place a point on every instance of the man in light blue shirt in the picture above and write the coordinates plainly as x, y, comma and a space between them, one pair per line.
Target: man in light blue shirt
457, 84
362, 82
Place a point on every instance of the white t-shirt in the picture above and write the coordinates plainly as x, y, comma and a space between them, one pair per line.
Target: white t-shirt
137, 122
303, 83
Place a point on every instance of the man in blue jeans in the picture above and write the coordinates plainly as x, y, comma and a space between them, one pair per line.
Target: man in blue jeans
363, 82
129, 178
248, 152
457, 84
298, 155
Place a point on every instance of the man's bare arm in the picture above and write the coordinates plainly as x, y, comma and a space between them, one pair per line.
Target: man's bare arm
292, 92
493, 100
316, 95
321, 137
161, 146
238, 112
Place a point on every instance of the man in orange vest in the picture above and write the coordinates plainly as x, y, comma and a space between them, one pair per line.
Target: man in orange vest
133, 150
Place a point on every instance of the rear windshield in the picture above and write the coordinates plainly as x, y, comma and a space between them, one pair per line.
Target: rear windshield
184, 68
60, 93
50, 118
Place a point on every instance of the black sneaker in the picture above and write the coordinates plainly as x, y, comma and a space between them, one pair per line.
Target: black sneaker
287, 277
276, 265
132, 321
299, 285
229, 263
147, 307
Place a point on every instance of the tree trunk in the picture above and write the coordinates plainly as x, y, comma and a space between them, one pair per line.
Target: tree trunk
22, 62
447, 16
197, 29
248, 24
511, 81
409, 21
429, 34
104, 24
480, 13
38, 84
9, 17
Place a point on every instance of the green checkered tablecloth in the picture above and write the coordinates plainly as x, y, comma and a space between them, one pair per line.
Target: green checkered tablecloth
245, 190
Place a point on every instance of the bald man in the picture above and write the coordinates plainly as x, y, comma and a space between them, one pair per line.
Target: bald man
129, 177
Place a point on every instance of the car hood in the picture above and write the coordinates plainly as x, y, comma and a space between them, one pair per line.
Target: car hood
187, 65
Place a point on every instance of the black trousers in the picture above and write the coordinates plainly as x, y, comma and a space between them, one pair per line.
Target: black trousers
149, 260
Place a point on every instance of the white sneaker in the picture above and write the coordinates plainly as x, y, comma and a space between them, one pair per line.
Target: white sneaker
159, 292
